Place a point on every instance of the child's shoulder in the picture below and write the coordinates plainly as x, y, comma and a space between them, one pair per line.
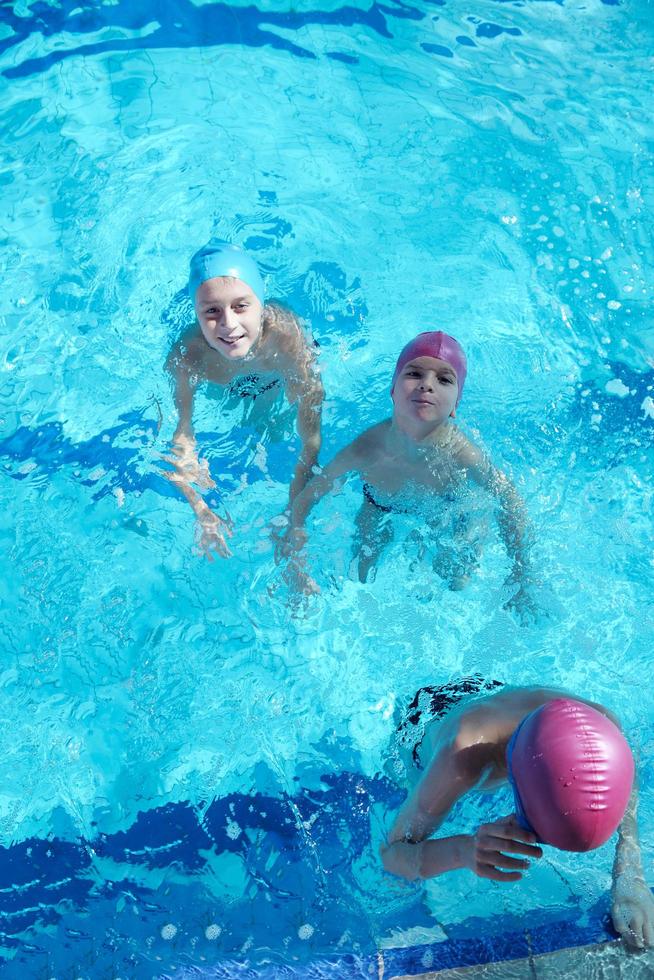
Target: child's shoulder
281, 322
464, 450
287, 334
372, 440
187, 350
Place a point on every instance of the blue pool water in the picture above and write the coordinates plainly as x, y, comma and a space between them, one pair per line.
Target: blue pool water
195, 776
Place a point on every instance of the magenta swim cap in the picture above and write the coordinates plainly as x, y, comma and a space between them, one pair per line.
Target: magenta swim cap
572, 772
435, 343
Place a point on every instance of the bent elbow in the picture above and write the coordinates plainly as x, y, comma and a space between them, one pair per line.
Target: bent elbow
385, 856
397, 862
310, 450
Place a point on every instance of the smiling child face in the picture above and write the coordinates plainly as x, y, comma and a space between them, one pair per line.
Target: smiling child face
229, 315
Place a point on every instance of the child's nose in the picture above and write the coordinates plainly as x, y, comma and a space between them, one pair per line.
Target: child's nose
230, 319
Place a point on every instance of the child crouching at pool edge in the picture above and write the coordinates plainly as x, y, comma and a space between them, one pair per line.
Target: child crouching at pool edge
413, 463
572, 776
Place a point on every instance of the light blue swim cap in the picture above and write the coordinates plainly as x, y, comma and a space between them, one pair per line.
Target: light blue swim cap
219, 258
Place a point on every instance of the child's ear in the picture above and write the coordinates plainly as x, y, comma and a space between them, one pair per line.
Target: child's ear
453, 413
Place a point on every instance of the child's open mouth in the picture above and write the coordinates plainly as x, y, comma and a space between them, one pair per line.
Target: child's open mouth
230, 341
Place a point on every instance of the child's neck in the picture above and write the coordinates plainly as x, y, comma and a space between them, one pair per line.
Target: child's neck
413, 440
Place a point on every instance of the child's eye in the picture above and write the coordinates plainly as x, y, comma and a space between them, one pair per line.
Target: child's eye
447, 380
241, 306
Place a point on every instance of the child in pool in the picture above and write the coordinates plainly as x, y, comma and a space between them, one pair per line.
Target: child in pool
251, 348
490, 739
412, 461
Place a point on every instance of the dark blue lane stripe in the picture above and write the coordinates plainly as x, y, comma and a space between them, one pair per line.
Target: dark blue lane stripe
60, 900
183, 25
36, 874
119, 451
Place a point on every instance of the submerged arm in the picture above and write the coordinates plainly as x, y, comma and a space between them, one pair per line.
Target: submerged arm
315, 490
187, 468
290, 546
307, 392
632, 905
184, 385
513, 522
303, 388
514, 526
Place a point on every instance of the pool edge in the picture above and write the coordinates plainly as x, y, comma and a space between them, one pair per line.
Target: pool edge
568, 961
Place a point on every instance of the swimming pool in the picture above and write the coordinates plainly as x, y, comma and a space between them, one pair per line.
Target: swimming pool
195, 777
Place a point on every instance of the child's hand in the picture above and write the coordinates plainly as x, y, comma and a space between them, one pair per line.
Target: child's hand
188, 466
279, 532
523, 604
493, 846
521, 601
297, 579
211, 535
288, 545
632, 911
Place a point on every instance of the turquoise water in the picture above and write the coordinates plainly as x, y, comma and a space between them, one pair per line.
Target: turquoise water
484, 167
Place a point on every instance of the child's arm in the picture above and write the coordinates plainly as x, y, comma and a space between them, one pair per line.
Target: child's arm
295, 358
343, 462
632, 906
296, 536
407, 852
187, 468
514, 524
515, 527
487, 853
306, 391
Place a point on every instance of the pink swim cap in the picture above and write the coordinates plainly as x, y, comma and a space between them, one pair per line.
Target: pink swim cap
572, 772
435, 343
